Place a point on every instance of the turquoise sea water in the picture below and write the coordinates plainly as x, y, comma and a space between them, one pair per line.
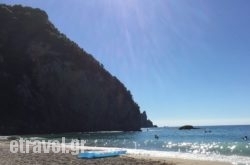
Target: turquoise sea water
226, 141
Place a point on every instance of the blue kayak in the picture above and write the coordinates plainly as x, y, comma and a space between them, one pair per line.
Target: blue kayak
100, 154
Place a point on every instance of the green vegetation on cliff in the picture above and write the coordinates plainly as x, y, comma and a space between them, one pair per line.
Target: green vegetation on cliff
49, 85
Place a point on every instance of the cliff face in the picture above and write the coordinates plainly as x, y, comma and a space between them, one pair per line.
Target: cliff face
145, 122
49, 85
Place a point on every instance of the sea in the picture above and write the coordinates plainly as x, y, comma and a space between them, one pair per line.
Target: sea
216, 143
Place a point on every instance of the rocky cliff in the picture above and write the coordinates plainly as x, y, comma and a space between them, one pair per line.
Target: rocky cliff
50, 85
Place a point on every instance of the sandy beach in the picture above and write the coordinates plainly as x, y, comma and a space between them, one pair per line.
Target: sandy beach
179, 161
8, 158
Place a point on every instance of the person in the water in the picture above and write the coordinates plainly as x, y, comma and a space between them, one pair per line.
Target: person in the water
245, 138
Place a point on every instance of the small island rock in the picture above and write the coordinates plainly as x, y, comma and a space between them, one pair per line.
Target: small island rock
187, 127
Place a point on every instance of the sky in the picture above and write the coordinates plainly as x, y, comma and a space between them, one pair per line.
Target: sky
184, 61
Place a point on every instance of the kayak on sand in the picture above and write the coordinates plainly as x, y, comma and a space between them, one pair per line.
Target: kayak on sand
100, 154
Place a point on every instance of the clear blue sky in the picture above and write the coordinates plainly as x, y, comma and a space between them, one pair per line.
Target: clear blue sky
184, 61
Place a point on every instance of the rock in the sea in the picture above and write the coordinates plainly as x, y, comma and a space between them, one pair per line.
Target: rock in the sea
187, 127
50, 85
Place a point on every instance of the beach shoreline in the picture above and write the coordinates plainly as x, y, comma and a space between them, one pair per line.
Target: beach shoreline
6, 157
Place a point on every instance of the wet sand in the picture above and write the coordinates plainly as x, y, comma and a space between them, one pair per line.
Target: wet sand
8, 158
179, 161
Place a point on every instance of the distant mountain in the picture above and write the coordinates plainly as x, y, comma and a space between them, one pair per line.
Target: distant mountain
50, 85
